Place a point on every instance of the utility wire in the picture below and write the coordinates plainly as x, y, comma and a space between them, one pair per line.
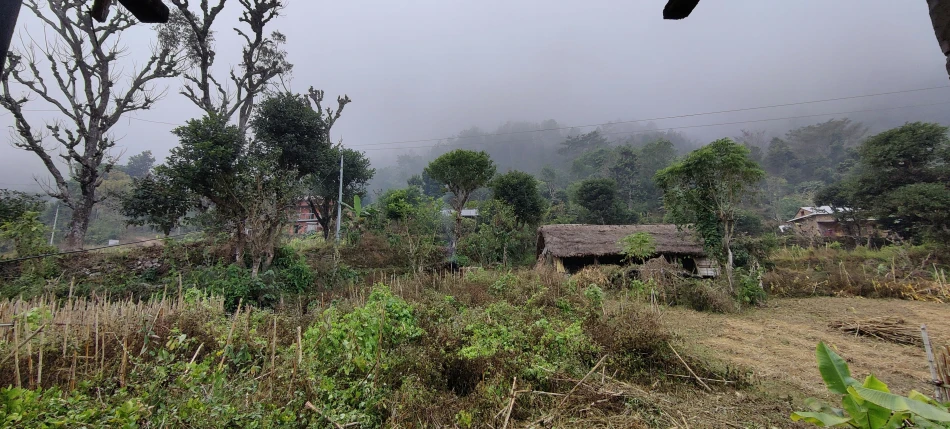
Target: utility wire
69, 252
688, 115
671, 128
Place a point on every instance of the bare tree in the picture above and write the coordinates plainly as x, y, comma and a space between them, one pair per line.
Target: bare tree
262, 59
83, 62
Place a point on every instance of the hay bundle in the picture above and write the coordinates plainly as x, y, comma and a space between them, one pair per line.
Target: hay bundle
891, 329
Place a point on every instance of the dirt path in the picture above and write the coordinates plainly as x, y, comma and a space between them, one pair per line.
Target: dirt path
777, 343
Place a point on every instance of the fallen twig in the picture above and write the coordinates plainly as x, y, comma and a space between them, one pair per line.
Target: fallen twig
700, 380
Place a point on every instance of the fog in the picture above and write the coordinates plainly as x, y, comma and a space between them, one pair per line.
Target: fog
428, 69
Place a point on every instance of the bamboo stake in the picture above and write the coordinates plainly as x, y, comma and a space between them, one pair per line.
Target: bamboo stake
72, 372
39, 373
273, 356
299, 347
938, 392
511, 402
29, 359
69, 314
16, 351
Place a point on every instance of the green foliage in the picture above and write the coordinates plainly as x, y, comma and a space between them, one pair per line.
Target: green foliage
356, 175
14, 204
706, 190
462, 172
158, 201
749, 290
289, 274
599, 198
900, 180
286, 123
139, 166
52, 408
638, 246
412, 224
814, 152
346, 354
498, 238
595, 295
429, 186
29, 238
868, 405
520, 191
28, 235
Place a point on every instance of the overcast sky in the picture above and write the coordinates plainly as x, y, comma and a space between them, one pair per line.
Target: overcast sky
424, 69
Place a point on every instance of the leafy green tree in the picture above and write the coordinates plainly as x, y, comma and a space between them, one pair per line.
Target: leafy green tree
429, 186
13, 204
412, 224
706, 190
356, 174
577, 144
499, 237
28, 236
138, 166
653, 157
901, 179
158, 201
520, 191
462, 172
599, 198
624, 170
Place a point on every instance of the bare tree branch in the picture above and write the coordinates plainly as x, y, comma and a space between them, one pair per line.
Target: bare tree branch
83, 59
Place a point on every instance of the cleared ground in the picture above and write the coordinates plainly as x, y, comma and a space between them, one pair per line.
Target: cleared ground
774, 346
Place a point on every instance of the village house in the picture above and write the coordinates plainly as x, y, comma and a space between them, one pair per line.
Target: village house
569, 248
826, 221
303, 221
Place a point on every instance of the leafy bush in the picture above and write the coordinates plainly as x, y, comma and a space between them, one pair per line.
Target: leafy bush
231, 282
868, 405
348, 352
638, 246
50, 407
749, 290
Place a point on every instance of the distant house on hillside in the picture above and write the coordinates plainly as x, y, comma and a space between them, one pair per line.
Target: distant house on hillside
570, 248
826, 221
466, 213
303, 221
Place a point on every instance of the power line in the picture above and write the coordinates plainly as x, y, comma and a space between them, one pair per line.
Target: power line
744, 109
682, 127
69, 252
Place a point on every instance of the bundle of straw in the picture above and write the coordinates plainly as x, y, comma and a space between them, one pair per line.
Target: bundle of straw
890, 329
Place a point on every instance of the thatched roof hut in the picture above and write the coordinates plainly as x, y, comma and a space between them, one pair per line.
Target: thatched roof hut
570, 247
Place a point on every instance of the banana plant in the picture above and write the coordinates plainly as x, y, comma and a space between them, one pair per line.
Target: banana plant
868, 405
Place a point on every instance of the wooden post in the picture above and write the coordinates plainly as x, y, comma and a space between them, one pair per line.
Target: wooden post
938, 390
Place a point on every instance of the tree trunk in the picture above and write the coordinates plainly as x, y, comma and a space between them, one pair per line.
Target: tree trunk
458, 229
78, 225
256, 266
239, 244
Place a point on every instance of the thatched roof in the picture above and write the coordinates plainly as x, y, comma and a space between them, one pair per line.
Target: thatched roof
564, 241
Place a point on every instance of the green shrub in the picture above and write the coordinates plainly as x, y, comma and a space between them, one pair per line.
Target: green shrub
638, 246
50, 407
748, 290
231, 282
348, 352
